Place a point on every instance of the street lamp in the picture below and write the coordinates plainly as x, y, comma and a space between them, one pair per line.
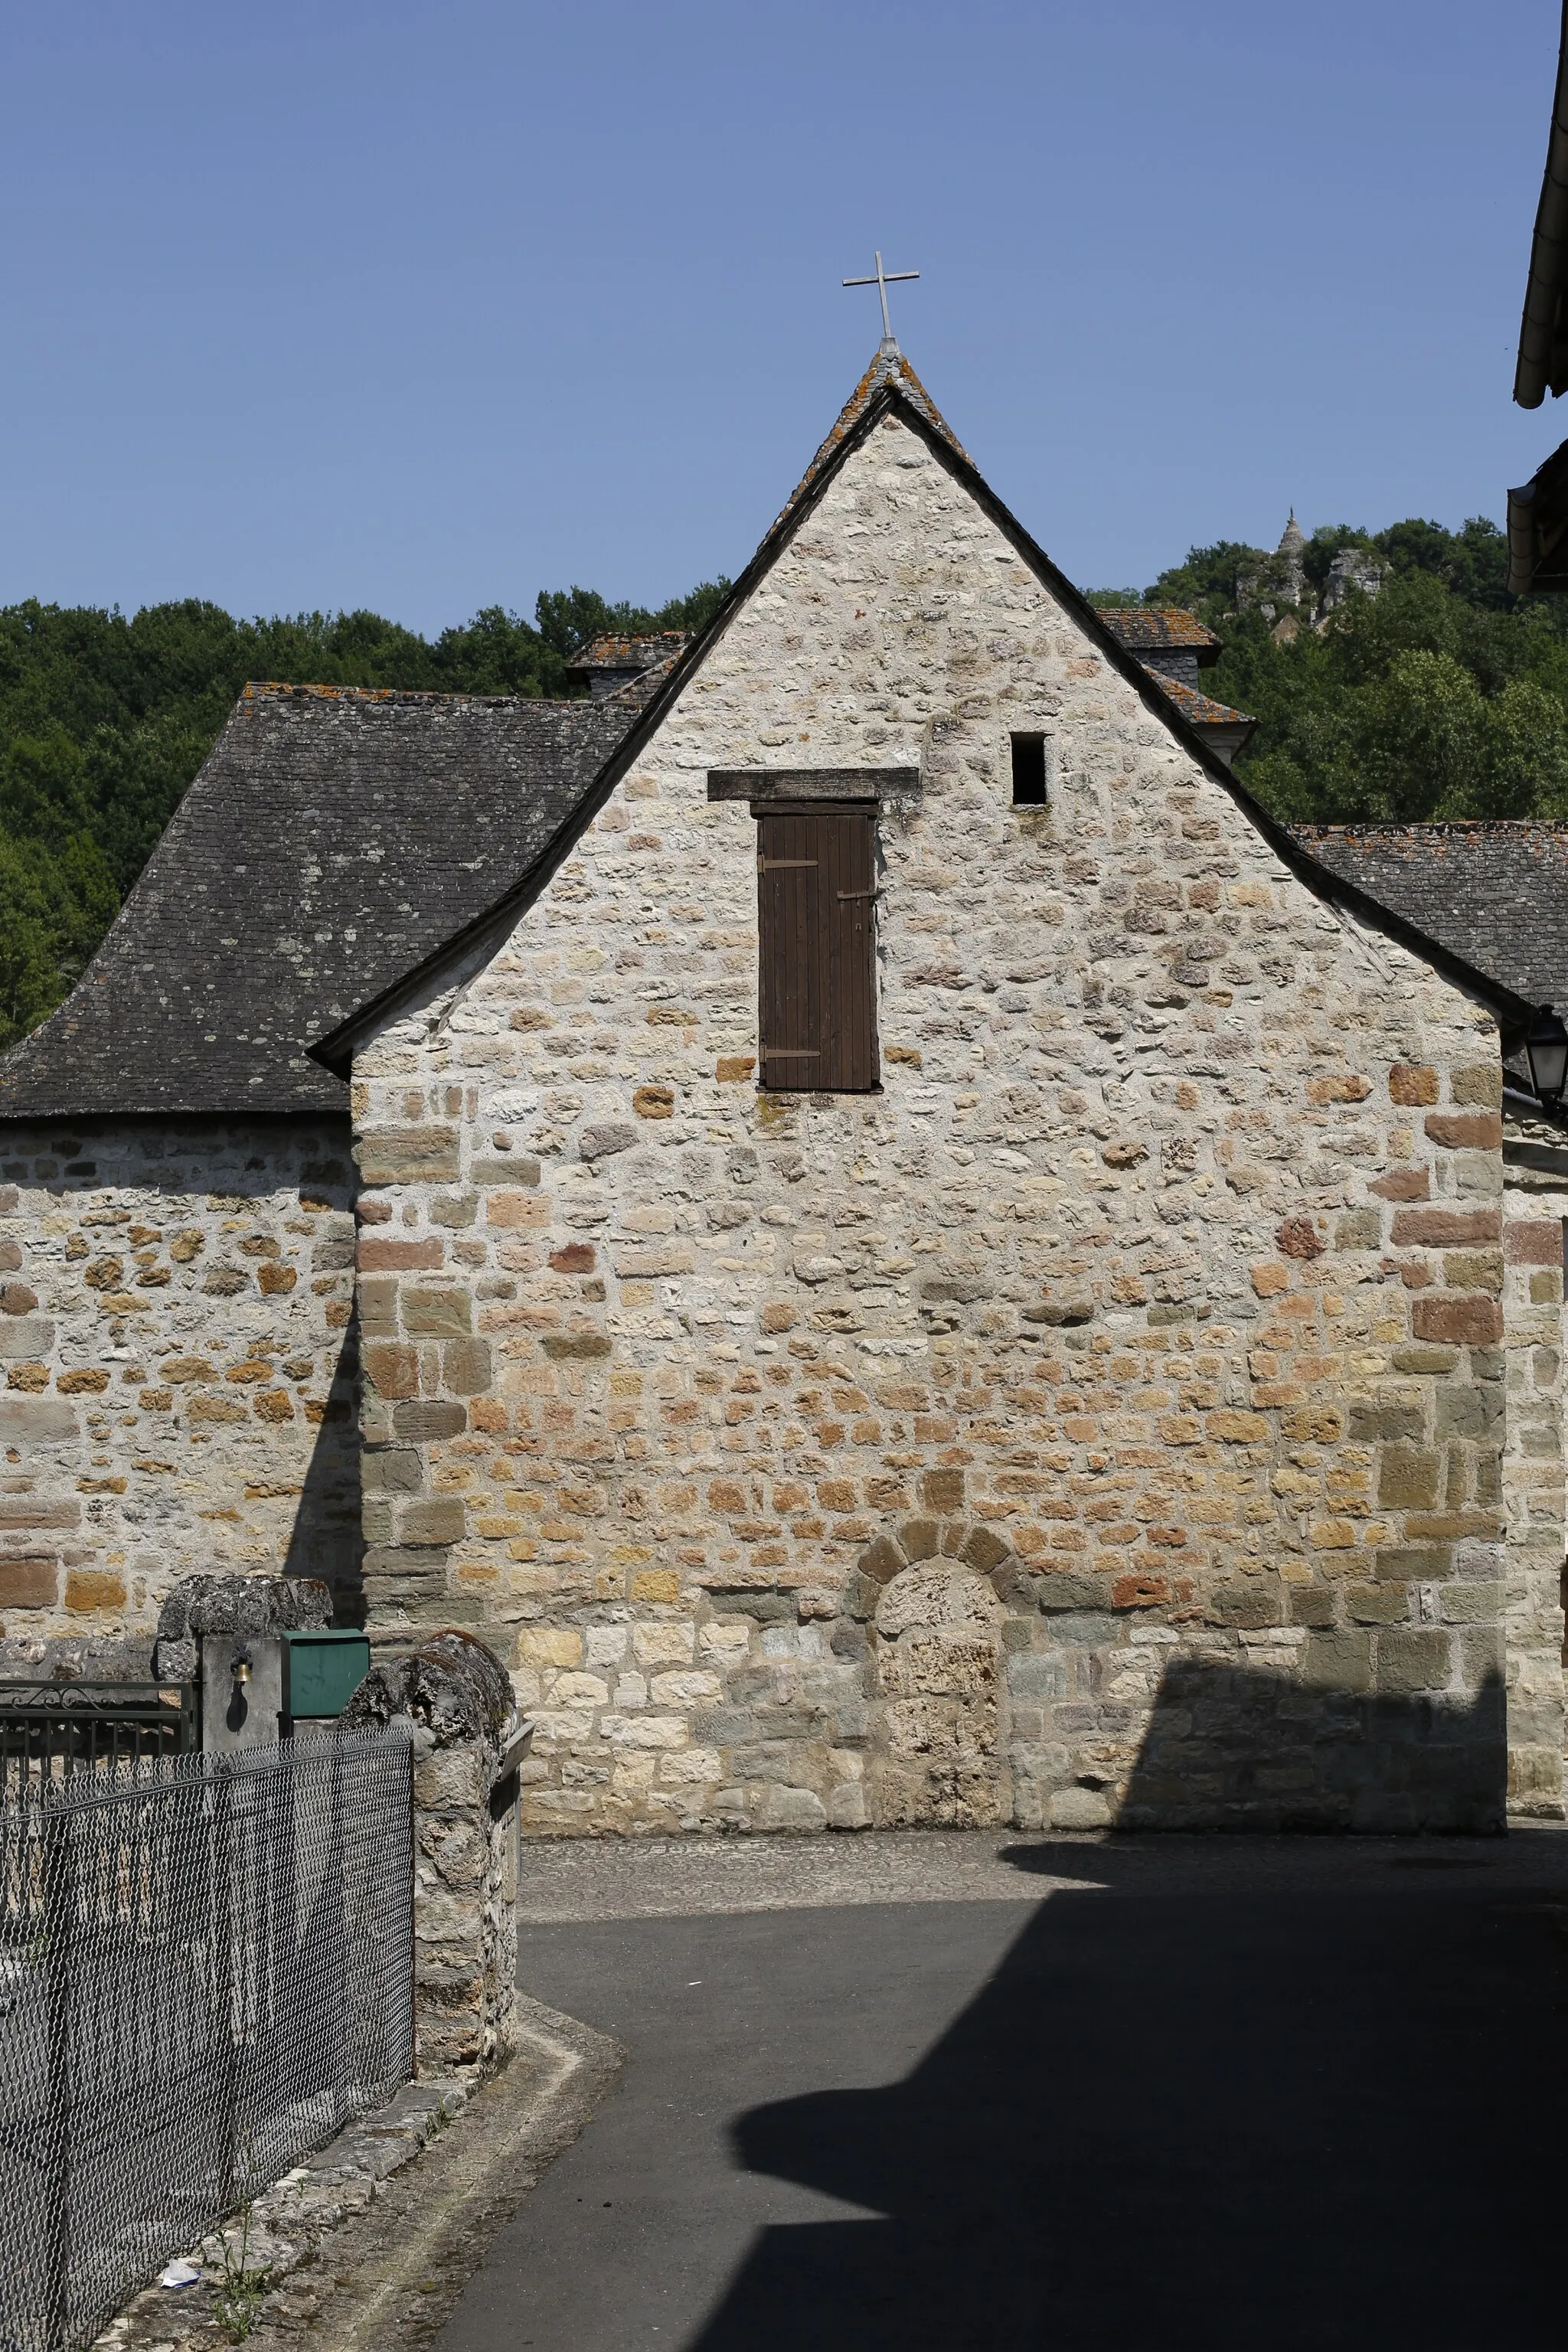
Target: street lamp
1546, 1049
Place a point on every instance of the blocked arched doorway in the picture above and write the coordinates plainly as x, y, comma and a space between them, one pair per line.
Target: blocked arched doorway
939, 1731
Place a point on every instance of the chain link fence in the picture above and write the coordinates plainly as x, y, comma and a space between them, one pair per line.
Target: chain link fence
206, 1969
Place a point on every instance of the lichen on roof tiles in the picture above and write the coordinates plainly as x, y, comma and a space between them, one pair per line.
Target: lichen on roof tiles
887, 367
1199, 709
334, 835
629, 653
1141, 627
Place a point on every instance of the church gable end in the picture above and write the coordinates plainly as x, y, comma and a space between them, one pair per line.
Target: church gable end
1080, 1408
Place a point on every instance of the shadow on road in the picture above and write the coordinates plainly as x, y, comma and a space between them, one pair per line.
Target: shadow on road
1183, 2114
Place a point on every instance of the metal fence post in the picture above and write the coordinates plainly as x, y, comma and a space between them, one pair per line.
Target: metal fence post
224, 2019
59, 1910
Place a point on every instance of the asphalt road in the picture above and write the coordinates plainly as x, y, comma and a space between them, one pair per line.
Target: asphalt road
1094, 2097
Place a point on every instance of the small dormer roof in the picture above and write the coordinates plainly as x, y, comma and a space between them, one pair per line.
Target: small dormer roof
1147, 629
622, 657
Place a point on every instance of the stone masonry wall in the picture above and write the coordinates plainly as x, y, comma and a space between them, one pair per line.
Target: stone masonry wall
1093, 1423
1535, 1210
177, 1370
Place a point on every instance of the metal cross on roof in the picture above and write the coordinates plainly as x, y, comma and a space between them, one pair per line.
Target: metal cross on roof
881, 281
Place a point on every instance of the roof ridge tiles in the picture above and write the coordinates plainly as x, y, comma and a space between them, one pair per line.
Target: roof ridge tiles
1386, 827
281, 689
888, 366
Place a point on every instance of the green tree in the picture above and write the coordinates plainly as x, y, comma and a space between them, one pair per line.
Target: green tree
104, 720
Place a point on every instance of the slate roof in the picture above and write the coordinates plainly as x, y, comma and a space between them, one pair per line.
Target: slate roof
1148, 629
1494, 893
1199, 709
889, 371
626, 652
333, 838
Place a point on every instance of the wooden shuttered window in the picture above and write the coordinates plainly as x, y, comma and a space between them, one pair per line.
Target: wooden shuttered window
815, 893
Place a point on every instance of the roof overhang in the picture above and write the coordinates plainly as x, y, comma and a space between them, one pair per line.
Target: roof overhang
1538, 531
335, 1051
1544, 331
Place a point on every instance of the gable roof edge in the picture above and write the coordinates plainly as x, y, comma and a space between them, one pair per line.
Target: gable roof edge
335, 1051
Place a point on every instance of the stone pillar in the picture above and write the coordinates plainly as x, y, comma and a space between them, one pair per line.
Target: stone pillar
199, 1605
455, 1698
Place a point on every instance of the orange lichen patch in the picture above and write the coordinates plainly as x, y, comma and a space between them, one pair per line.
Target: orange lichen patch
888, 367
260, 686
1199, 709
630, 652
1163, 624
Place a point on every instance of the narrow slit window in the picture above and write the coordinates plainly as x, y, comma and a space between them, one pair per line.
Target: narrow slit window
1028, 772
816, 904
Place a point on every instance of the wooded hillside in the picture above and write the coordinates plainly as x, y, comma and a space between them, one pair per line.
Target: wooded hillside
104, 722
1441, 696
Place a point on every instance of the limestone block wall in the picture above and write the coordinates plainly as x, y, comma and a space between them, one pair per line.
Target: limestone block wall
1535, 1221
177, 1362
1095, 1423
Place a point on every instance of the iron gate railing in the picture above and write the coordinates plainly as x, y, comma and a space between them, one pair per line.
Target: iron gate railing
206, 1969
49, 1728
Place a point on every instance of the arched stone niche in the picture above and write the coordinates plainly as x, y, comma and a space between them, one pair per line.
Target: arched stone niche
935, 1595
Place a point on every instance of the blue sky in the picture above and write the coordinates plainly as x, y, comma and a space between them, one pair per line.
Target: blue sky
425, 307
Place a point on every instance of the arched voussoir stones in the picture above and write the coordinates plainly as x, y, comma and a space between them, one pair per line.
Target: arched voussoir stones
969, 1542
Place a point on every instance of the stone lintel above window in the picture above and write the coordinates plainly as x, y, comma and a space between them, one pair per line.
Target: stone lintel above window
766, 786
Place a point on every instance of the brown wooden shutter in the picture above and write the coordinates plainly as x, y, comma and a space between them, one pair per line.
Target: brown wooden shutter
815, 880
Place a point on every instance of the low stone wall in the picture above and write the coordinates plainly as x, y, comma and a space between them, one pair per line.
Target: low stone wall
455, 1697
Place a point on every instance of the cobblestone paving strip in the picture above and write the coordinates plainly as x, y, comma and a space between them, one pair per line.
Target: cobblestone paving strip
617, 1878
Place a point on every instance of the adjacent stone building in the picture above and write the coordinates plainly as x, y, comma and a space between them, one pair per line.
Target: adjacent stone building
920, 1259
178, 1346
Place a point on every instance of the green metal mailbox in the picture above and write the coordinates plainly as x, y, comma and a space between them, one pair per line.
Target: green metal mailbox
322, 1671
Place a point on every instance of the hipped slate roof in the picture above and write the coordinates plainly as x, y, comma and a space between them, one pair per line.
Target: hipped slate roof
334, 838
1200, 710
1494, 893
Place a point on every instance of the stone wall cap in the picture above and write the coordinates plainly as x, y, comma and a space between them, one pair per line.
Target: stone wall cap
243, 1604
452, 1686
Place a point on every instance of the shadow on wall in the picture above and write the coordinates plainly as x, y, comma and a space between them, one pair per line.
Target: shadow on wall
1189, 2113
1242, 1748
327, 1539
